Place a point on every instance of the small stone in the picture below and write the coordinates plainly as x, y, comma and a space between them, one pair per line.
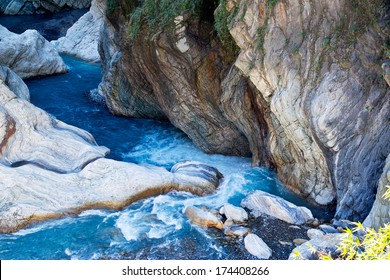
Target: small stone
342, 223
237, 214
315, 222
228, 223
285, 243
313, 233
202, 217
328, 229
294, 227
236, 231
257, 247
299, 241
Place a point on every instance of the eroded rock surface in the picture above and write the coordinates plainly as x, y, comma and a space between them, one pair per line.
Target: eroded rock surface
29, 54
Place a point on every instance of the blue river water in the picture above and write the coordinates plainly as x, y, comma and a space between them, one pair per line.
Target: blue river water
153, 228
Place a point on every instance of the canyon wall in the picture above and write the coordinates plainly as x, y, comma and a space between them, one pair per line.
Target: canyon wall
304, 93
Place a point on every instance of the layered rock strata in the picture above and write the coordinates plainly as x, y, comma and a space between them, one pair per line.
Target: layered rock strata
306, 94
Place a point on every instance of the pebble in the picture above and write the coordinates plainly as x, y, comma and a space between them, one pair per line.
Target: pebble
328, 229
299, 241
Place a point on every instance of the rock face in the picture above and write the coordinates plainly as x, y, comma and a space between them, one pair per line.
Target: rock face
380, 212
260, 202
327, 99
257, 247
322, 244
49, 169
306, 94
155, 79
28, 7
202, 217
82, 38
29, 54
15, 83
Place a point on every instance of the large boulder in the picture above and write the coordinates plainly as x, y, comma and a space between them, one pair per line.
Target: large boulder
260, 202
28, 7
29, 54
15, 83
82, 38
49, 169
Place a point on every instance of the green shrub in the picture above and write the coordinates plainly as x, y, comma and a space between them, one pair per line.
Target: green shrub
374, 245
221, 24
160, 15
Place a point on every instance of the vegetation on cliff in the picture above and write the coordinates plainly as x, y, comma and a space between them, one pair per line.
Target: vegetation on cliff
158, 16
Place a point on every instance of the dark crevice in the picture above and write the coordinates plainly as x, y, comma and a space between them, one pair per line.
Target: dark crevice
207, 10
